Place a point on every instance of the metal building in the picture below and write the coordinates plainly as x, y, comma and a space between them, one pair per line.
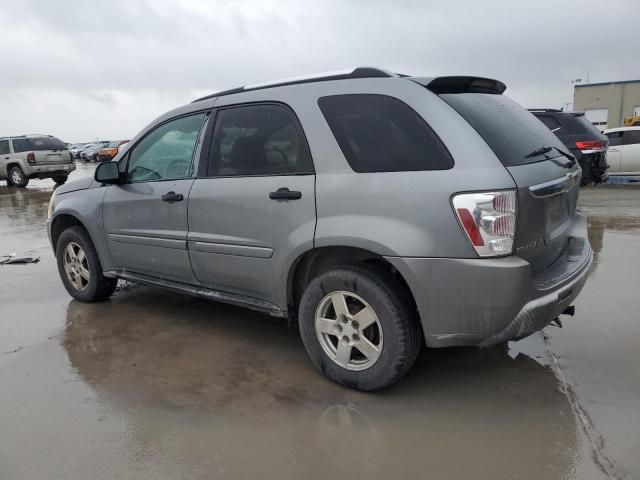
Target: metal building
607, 104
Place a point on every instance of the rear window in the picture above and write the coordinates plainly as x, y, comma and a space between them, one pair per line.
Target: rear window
551, 122
511, 131
583, 125
37, 144
378, 133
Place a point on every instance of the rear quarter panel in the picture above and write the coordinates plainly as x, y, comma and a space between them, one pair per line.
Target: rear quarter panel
399, 213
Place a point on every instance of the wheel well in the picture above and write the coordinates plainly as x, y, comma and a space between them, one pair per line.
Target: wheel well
60, 224
314, 262
12, 164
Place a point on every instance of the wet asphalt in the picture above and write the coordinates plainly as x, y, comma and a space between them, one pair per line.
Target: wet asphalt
155, 385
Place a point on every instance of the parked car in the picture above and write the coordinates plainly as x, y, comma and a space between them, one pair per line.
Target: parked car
110, 150
624, 150
83, 152
34, 156
76, 149
582, 139
91, 153
380, 211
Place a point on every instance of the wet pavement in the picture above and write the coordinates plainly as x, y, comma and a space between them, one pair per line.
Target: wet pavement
155, 385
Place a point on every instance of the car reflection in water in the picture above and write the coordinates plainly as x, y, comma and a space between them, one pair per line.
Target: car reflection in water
209, 388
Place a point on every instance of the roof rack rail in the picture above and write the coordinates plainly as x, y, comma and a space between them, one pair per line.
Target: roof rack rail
545, 110
359, 72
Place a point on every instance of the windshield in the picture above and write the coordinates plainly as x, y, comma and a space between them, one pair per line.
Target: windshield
509, 129
37, 144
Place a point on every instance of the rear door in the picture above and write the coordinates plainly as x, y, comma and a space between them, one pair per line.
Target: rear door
630, 155
254, 206
145, 219
547, 182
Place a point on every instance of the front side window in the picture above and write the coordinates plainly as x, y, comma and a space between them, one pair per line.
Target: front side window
4, 147
167, 152
615, 138
378, 133
258, 140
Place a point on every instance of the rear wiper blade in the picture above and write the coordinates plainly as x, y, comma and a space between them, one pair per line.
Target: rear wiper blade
545, 150
538, 151
566, 155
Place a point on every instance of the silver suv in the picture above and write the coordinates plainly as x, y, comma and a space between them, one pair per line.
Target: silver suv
381, 211
34, 156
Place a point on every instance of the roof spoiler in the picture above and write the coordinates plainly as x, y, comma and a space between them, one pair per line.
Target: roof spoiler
441, 85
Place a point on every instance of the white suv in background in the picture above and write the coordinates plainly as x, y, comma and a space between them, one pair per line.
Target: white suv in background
34, 156
623, 154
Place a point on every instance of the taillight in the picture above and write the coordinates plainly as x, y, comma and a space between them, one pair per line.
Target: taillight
489, 220
31, 157
590, 146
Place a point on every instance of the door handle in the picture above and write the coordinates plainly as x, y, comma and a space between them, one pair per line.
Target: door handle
285, 194
614, 149
172, 197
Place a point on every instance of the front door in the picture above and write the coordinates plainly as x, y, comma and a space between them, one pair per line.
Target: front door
630, 160
145, 219
614, 152
255, 210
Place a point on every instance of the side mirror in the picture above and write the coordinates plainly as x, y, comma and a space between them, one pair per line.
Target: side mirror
107, 173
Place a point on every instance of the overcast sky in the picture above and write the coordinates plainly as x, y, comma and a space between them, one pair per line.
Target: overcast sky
105, 68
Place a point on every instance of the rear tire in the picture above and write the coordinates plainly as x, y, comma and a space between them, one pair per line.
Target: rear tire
391, 327
80, 269
17, 177
59, 179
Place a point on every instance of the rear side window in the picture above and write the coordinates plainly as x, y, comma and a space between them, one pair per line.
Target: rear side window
37, 144
552, 123
378, 133
4, 147
258, 140
631, 137
511, 131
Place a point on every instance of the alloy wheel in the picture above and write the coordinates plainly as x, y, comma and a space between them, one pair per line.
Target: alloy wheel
76, 266
348, 330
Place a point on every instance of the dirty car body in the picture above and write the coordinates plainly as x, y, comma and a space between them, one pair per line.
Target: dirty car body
28, 157
476, 243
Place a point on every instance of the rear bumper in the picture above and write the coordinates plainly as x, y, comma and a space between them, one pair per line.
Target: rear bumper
486, 302
46, 171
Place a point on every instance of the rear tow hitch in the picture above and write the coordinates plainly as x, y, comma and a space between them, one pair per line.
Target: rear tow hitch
570, 310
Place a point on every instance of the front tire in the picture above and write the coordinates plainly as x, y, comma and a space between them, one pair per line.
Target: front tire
17, 177
80, 269
359, 327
